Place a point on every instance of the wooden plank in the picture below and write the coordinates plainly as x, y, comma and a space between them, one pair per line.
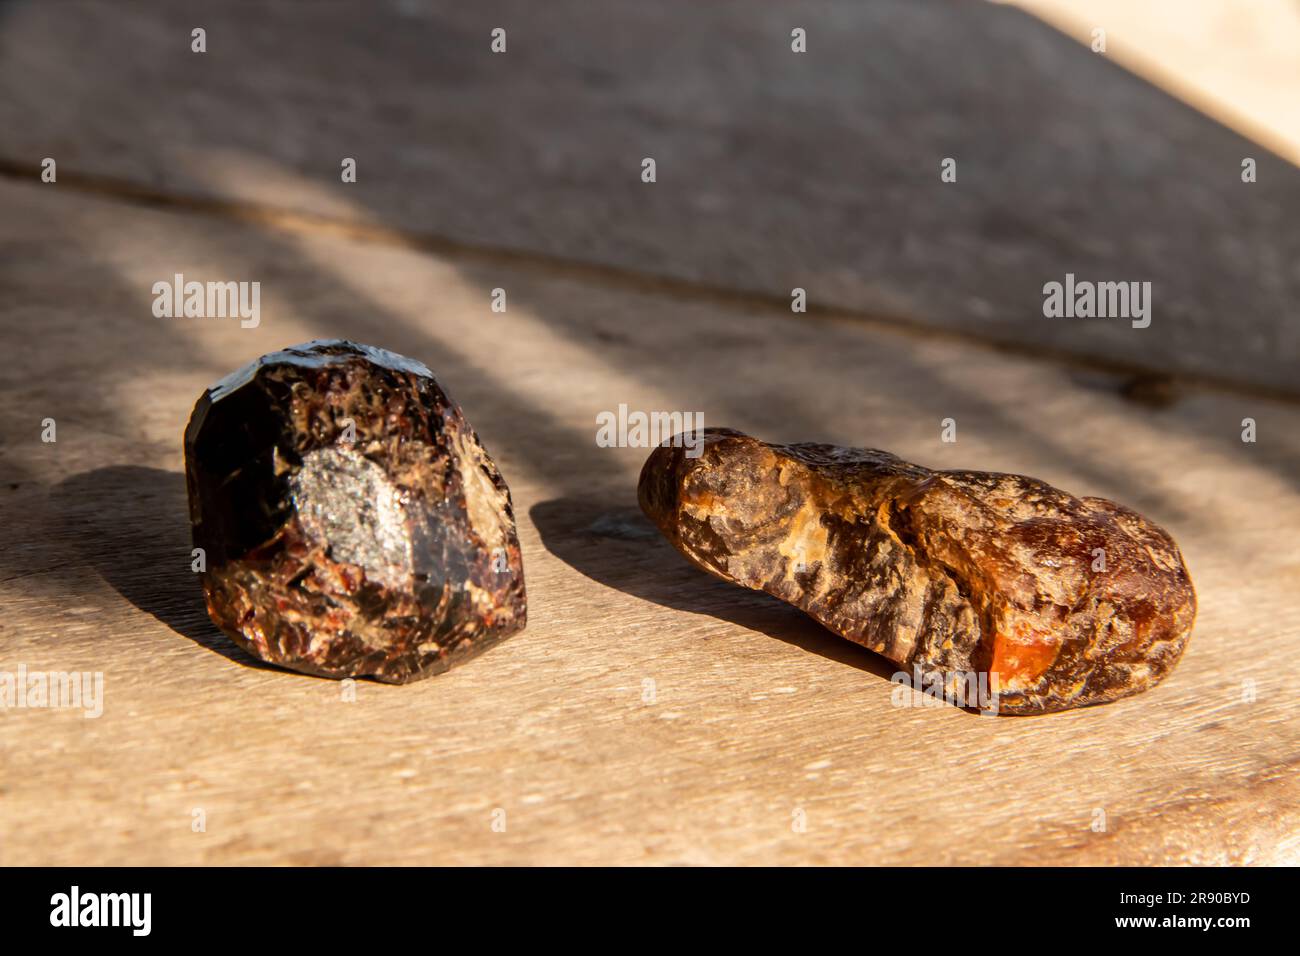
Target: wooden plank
775, 170
757, 714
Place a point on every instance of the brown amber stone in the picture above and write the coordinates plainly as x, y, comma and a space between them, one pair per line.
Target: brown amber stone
352, 524
1068, 601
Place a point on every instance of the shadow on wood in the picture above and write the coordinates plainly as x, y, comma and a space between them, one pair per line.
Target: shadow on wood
131, 525
618, 547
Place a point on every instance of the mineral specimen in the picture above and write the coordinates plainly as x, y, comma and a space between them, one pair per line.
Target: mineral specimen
1068, 601
352, 525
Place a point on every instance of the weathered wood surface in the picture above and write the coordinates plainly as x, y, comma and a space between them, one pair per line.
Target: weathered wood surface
758, 715
775, 169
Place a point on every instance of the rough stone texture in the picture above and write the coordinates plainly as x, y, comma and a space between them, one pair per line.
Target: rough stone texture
386, 548
949, 572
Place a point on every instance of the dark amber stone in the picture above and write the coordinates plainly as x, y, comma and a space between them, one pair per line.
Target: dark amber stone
352, 524
1058, 601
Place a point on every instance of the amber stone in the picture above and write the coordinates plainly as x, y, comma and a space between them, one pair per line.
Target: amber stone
352, 523
1068, 601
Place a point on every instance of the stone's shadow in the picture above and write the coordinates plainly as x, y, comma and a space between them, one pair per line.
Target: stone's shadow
617, 546
132, 526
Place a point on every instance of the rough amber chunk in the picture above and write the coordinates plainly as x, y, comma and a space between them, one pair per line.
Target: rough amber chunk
1068, 601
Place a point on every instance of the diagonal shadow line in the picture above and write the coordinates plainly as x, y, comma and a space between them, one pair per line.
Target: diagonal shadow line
557, 449
1066, 46
471, 256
